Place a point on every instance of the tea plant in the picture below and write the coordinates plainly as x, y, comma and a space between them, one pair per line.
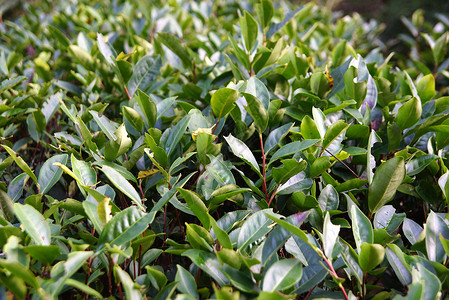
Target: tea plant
221, 150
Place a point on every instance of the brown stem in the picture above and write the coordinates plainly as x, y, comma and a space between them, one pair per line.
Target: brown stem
344, 164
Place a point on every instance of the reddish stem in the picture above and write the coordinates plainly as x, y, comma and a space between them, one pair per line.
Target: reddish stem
127, 93
334, 273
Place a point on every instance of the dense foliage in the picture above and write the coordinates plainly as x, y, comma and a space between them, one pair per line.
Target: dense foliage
217, 149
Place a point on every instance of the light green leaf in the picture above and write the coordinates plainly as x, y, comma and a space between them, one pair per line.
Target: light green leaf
370, 256
197, 206
249, 29
257, 111
22, 164
222, 101
122, 184
34, 224
131, 290
124, 227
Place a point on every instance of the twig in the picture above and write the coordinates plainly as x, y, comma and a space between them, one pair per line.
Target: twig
344, 164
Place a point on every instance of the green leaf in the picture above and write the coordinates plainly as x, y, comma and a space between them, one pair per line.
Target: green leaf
145, 73
396, 259
249, 29
105, 50
265, 12
282, 275
221, 235
6, 206
222, 101
241, 280
361, 227
333, 132
371, 255
303, 9
417, 165
22, 164
319, 84
255, 227
133, 117
157, 277
83, 287
83, 171
124, 227
243, 152
309, 129
330, 236
292, 148
105, 124
15, 187
166, 197
175, 45
176, 134
426, 88
290, 168
409, 113
21, 272
120, 145
257, 111
83, 57
122, 184
148, 108
435, 226
65, 269
49, 173
44, 254
34, 224
131, 290
10, 83
187, 284
328, 199
208, 262
197, 206
320, 165
275, 137
386, 180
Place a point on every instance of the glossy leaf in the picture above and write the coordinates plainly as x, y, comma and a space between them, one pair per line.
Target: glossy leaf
249, 29
175, 45
222, 101
122, 184
34, 224
197, 206
371, 255
49, 173
282, 275
242, 151
386, 180
144, 74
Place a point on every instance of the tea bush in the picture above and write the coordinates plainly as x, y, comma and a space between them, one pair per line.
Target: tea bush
222, 150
